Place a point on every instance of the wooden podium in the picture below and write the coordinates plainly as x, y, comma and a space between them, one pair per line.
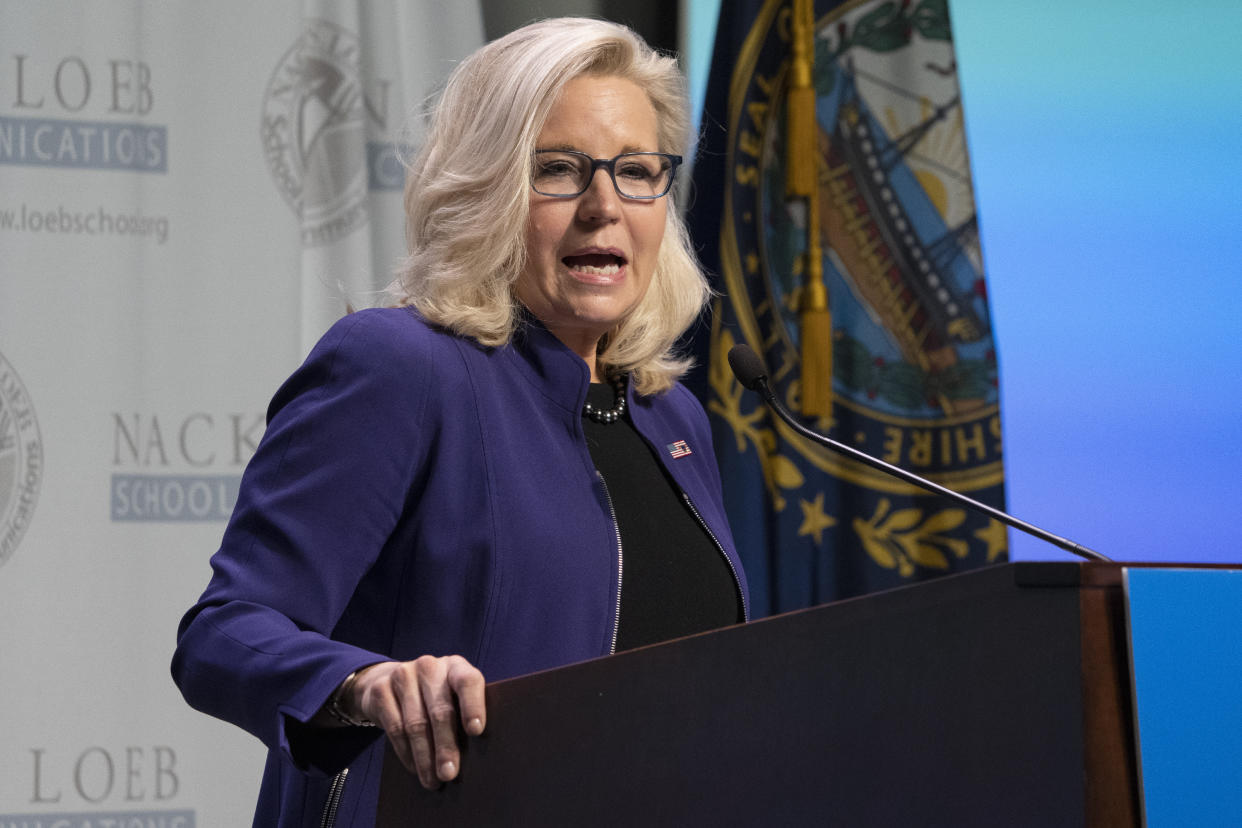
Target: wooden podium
995, 697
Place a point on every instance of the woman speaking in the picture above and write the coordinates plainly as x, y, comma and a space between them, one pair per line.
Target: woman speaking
499, 474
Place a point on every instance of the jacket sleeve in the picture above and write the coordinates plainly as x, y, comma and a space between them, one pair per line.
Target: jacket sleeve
319, 499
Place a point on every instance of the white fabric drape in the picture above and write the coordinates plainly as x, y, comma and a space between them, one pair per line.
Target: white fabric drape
190, 193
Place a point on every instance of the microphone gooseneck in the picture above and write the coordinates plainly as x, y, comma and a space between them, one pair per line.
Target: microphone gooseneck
749, 370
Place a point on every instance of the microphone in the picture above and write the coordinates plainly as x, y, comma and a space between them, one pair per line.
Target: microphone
749, 370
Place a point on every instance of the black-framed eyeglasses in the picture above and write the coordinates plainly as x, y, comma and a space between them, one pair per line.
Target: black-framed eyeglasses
568, 173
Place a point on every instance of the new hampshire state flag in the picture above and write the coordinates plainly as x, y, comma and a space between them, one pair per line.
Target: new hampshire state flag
833, 206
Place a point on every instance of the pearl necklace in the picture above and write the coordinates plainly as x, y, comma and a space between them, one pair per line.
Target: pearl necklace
609, 415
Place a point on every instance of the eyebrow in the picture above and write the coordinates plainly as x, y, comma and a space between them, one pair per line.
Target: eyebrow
571, 148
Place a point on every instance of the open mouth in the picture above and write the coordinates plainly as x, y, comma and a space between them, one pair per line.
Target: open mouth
603, 264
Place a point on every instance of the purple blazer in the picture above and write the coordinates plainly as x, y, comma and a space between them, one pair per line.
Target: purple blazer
414, 493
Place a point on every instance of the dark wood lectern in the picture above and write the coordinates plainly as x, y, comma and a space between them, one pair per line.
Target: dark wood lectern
998, 697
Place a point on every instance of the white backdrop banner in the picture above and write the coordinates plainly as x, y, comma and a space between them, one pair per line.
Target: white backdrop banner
190, 193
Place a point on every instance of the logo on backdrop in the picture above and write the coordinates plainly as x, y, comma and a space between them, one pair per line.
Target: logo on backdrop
136, 784
179, 468
21, 460
79, 113
317, 112
63, 109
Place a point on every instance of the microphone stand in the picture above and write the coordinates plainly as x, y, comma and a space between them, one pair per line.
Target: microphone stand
760, 384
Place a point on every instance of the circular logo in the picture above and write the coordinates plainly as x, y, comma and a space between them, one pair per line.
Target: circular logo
913, 354
886, 208
21, 460
314, 132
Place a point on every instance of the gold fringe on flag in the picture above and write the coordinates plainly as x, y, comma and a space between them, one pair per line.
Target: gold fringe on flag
802, 181
800, 106
815, 321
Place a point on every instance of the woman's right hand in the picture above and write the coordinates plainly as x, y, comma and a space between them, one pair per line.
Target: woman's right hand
418, 704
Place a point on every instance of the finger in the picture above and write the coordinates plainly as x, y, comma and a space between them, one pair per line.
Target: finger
415, 730
379, 703
441, 710
468, 685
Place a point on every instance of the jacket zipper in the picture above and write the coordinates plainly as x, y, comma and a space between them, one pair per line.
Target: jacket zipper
736, 580
334, 800
616, 527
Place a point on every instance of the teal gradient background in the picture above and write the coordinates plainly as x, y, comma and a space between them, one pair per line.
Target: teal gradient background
1106, 146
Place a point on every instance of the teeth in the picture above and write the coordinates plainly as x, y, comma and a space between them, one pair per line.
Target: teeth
607, 270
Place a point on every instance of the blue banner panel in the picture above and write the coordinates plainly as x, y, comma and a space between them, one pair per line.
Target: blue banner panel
93, 145
1186, 656
163, 498
102, 819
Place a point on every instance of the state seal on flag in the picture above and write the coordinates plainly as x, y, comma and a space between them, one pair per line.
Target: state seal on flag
913, 366
21, 460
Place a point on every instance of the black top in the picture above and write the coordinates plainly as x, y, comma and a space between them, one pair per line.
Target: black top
675, 581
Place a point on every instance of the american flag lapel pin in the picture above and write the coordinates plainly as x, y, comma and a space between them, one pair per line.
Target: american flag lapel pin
679, 449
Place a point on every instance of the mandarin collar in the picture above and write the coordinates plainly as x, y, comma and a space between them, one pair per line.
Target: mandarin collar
548, 364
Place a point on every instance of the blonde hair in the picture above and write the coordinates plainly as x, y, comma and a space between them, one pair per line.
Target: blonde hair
467, 193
